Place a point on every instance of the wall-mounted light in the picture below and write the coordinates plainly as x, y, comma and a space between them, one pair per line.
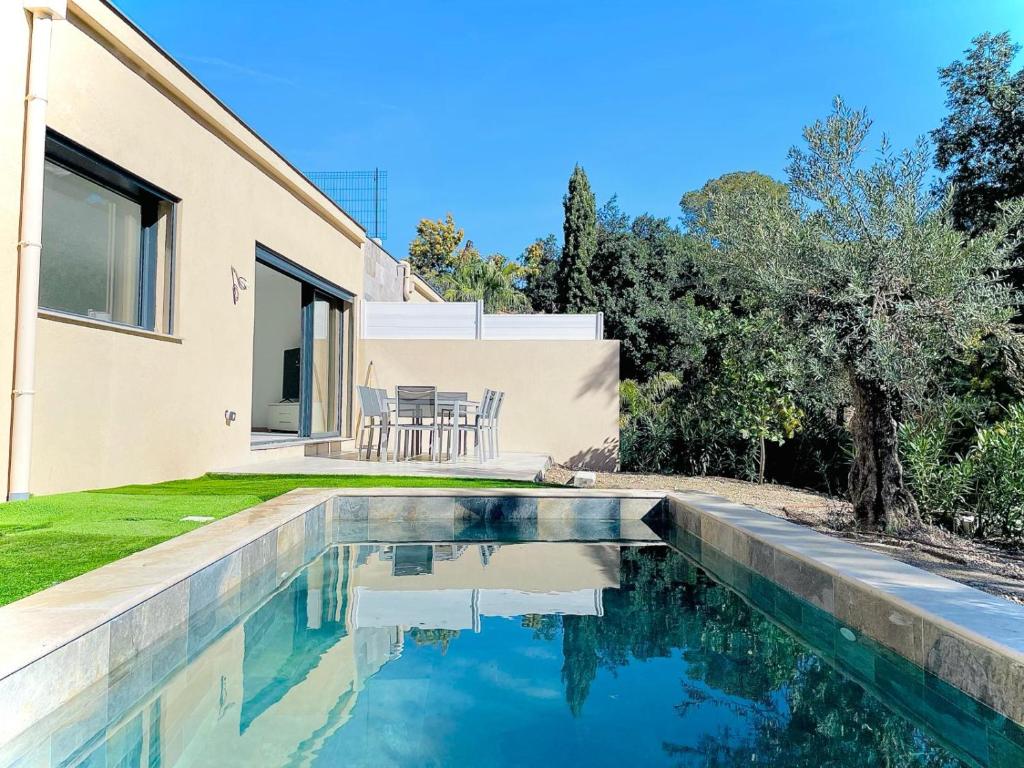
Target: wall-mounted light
229, 416
238, 283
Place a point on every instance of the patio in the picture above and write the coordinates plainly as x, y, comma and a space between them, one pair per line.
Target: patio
508, 466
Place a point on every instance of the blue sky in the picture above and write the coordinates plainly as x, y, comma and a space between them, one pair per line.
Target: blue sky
482, 108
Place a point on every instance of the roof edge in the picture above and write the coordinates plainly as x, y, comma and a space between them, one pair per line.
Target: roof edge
127, 39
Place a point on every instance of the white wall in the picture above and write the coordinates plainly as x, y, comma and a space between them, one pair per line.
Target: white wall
466, 320
541, 327
278, 302
408, 320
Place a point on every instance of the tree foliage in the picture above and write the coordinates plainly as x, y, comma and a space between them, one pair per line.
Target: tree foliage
643, 278
432, 251
541, 259
495, 281
463, 274
699, 206
576, 292
749, 386
866, 266
981, 141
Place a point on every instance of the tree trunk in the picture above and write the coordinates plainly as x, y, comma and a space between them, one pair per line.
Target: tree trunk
880, 499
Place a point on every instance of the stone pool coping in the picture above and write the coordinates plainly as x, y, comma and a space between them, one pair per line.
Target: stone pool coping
966, 637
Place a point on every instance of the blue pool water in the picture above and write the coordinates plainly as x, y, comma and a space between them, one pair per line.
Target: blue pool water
525, 654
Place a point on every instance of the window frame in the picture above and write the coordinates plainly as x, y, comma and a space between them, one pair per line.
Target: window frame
85, 163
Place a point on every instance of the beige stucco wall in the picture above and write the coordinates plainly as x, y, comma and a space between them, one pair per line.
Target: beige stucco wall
561, 397
422, 293
116, 407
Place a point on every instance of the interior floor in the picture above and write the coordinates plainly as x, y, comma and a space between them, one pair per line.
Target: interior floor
262, 437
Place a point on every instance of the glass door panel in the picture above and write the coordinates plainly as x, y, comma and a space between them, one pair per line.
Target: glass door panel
323, 394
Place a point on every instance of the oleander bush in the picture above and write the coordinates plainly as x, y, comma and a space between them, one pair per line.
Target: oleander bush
995, 466
974, 488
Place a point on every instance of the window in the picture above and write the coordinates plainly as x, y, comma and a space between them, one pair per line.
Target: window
107, 241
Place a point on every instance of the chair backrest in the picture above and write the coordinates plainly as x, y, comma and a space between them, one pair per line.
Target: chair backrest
383, 404
497, 401
446, 409
417, 402
453, 395
369, 403
484, 409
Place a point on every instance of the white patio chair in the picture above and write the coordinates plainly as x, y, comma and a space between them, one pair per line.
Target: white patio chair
477, 425
446, 413
492, 426
419, 406
375, 417
388, 412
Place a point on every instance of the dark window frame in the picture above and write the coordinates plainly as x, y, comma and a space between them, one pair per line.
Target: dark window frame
314, 286
85, 163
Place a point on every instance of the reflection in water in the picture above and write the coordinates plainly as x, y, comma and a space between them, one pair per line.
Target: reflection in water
518, 654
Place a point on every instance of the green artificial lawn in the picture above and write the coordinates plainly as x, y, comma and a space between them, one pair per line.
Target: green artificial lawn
49, 539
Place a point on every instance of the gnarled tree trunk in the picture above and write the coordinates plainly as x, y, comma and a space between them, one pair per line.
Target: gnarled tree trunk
880, 499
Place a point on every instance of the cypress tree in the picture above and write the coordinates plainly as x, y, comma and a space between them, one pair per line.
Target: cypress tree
576, 291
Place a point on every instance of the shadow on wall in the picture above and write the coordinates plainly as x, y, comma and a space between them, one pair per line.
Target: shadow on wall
606, 457
597, 379
603, 459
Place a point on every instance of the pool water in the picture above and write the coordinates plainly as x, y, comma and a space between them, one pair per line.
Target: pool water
515, 654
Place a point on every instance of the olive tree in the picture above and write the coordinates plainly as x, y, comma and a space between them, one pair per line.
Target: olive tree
864, 263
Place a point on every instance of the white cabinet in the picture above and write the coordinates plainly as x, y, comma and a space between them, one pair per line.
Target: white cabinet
283, 417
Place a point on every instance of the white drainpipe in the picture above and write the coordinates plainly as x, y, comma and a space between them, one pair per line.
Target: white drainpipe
30, 242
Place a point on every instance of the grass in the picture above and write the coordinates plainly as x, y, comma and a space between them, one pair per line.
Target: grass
49, 539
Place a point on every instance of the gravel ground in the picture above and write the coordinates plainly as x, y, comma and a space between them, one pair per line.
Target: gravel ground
993, 569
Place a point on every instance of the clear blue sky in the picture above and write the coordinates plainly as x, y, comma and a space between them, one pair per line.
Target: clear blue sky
482, 108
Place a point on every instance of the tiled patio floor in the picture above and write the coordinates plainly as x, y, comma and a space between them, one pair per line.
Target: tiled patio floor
508, 466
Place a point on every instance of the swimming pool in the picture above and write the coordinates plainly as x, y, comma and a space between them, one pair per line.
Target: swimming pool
512, 643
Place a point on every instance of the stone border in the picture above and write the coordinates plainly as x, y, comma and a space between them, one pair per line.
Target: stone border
964, 637
62, 642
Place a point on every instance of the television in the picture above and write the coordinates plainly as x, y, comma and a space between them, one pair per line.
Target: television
292, 368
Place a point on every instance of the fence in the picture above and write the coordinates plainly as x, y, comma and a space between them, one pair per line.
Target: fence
466, 320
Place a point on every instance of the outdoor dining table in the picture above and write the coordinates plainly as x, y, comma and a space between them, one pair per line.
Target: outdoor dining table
457, 406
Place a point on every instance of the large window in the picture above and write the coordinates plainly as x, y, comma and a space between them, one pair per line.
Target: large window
107, 241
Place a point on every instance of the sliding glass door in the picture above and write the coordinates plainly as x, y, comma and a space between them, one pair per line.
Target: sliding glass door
301, 351
325, 362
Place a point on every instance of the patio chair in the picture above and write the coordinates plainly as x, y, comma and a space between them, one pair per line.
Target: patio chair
477, 426
419, 406
493, 426
376, 415
446, 413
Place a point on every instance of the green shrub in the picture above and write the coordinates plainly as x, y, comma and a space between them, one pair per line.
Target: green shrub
935, 474
646, 428
996, 468
977, 486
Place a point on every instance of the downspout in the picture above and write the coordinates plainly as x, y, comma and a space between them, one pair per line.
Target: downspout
30, 243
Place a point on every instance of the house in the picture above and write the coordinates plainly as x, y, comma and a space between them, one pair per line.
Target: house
176, 297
